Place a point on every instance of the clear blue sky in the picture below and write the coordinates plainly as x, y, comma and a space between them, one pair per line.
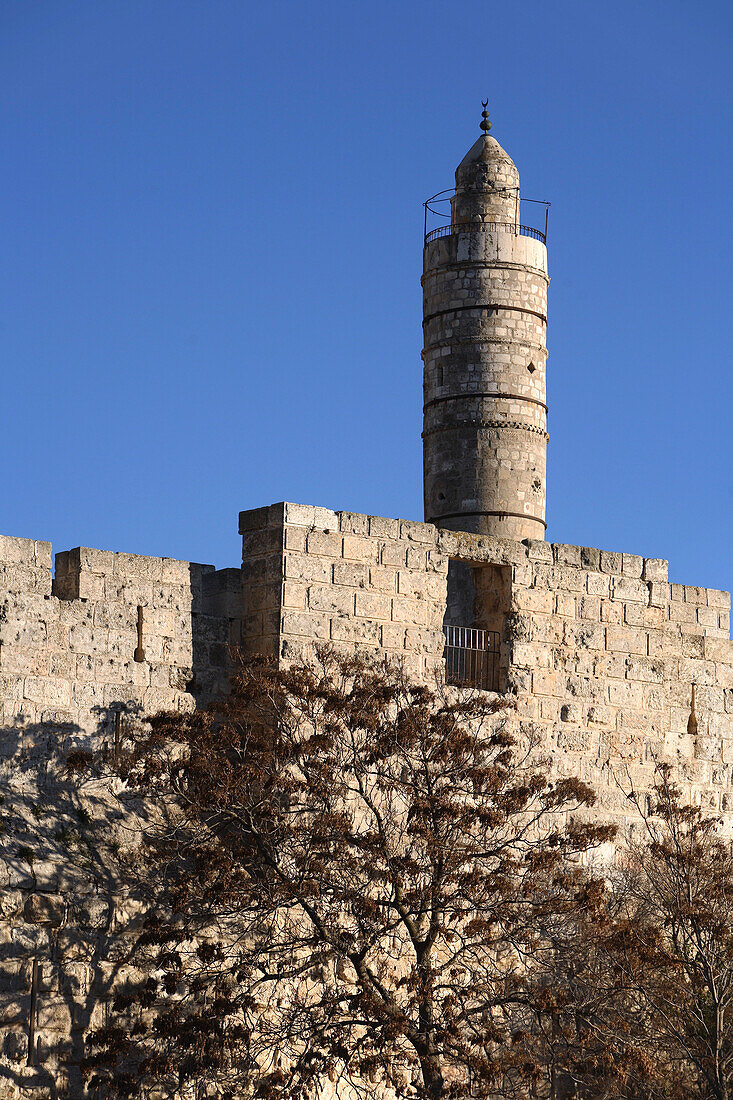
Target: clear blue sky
211, 251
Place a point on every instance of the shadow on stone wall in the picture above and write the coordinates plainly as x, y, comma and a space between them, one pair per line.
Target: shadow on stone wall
66, 925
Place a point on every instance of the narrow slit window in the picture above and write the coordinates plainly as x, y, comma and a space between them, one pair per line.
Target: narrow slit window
139, 654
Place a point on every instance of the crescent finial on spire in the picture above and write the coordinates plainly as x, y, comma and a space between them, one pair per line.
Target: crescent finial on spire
485, 124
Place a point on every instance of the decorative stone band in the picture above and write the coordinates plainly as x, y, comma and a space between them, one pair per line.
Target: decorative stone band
485, 305
484, 393
516, 424
503, 515
452, 265
474, 338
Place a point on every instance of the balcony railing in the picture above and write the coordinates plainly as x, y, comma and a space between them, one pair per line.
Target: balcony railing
491, 227
472, 657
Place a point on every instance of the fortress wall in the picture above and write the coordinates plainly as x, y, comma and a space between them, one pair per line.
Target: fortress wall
358, 582
602, 652
67, 666
68, 647
599, 649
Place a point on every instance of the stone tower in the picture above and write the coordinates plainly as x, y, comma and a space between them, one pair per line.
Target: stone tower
485, 316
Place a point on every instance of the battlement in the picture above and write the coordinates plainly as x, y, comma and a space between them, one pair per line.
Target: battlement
110, 631
597, 650
596, 646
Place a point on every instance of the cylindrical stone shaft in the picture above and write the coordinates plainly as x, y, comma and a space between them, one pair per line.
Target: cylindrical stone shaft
485, 316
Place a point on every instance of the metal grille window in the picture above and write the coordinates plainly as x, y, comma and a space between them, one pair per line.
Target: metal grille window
472, 657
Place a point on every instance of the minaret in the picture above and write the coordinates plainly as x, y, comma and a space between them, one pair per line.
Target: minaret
485, 317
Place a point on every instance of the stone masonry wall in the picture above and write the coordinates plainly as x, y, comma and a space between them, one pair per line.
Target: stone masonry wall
68, 645
70, 663
313, 575
599, 649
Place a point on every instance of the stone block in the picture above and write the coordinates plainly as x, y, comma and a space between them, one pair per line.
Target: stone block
565, 605
437, 562
323, 518
136, 567
315, 626
263, 540
545, 682
718, 599
264, 570
532, 655
269, 516
655, 569
564, 577
626, 694
294, 594
611, 562
383, 580
393, 554
175, 572
590, 558
632, 565
324, 544
598, 584
589, 607
358, 548
707, 616
566, 555
331, 598
550, 709
25, 551
418, 532
382, 528
295, 538
304, 567
540, 601
547, 628
56, 693
584, 635
351, 574
647, 669
373, 605
600, 715
353, 523
424, 640
629, 589
612, 612
719, 649
538, 550
627, 640
409, 611
414, 585
416, 557
392, 636
356, 630
682, 613
693, 645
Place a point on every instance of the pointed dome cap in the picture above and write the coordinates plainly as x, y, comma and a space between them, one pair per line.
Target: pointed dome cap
486, 162
487, 181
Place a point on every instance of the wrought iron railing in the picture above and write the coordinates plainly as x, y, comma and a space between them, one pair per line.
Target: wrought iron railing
471, 227
472, 657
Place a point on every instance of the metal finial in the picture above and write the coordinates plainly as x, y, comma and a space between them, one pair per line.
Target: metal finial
485, 124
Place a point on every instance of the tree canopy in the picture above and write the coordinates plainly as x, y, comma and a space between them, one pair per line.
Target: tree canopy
353, 877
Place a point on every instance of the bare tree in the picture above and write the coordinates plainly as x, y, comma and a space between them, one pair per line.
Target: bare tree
359, 879
670, 942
